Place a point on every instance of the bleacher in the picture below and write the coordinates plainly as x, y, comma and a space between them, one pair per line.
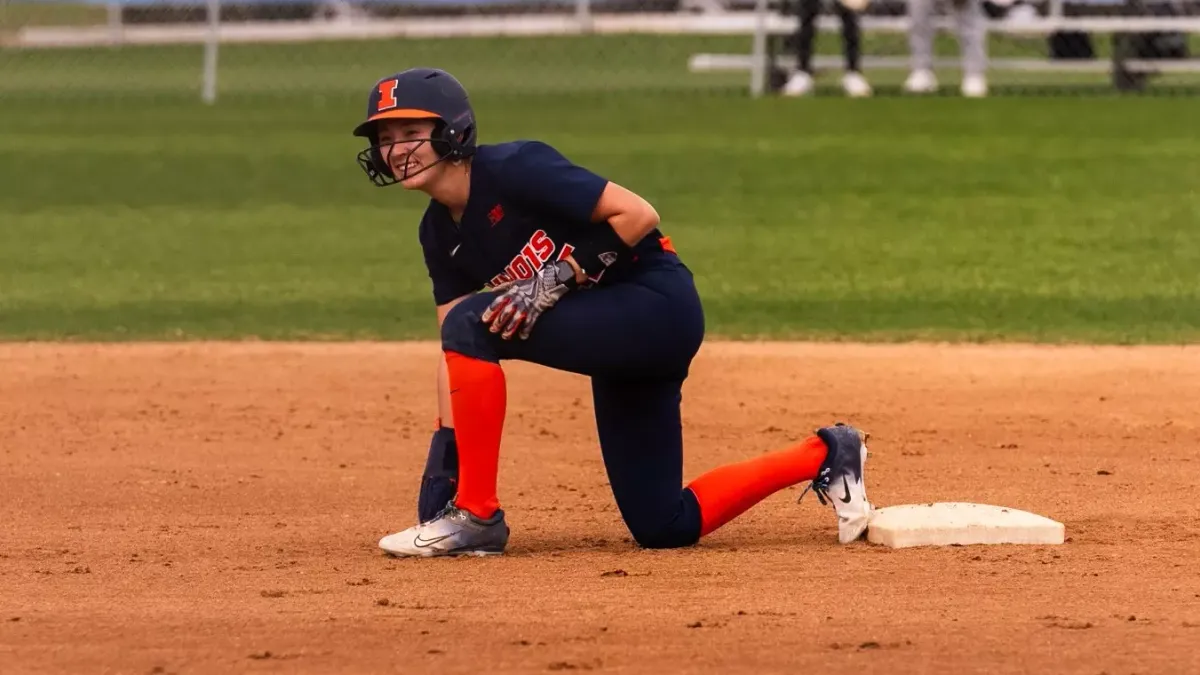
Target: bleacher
1135, 27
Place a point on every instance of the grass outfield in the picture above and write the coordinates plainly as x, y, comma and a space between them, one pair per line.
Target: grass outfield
130, 211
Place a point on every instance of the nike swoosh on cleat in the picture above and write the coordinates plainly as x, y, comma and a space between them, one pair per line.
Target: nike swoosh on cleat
847, 498
425, 543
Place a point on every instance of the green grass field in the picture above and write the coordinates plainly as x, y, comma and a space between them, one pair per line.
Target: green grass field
129, 210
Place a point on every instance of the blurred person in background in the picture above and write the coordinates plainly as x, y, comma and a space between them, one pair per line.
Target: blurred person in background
972, 40
801, 82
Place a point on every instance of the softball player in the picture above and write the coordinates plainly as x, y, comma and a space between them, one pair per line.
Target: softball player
534, 258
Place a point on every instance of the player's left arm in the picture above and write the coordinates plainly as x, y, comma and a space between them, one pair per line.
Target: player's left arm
611, 218
631, 216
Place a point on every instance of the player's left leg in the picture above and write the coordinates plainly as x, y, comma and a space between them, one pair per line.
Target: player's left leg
640, 433
641, 440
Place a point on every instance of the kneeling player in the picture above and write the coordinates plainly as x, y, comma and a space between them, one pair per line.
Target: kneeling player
576, 276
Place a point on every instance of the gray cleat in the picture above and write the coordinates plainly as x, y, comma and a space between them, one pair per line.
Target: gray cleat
451, 532
841, 482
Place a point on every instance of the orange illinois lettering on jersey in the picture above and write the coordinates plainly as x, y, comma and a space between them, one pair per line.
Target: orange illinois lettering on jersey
387, 95
533, 257
539, 248
520, 268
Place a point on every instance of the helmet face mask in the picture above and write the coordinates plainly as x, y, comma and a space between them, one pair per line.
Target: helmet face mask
418, 93
374, 158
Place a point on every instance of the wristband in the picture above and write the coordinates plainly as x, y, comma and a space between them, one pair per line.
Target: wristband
599, 250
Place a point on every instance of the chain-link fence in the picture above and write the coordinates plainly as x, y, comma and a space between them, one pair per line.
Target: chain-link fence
214, 48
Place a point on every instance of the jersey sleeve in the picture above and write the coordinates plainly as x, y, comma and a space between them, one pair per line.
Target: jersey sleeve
540, 176
448, 281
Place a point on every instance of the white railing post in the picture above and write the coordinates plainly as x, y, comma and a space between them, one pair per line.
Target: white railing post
211, 44
758, 51
115, 29
583, 14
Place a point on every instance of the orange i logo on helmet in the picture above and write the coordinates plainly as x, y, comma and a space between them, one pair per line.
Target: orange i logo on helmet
387, 95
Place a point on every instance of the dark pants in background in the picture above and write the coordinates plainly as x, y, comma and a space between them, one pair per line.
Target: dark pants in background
806, 33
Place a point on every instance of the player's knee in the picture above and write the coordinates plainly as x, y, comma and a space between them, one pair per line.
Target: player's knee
664, 523
665, 530
464, 333
668, 536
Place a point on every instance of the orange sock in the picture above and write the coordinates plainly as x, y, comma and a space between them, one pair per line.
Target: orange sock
479, 399
728, 491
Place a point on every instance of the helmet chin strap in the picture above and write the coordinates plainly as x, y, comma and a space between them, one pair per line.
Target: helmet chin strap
378, 165
406, 175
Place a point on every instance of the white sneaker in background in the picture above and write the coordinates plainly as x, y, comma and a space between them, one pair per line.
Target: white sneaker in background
855, 85
921, 82
799, 84
974, 86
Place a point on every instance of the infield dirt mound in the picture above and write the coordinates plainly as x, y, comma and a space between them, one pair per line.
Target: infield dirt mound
188, 508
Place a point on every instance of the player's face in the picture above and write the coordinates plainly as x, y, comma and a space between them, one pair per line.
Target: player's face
407, 151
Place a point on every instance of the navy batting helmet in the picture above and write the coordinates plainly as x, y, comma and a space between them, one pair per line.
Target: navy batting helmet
418, 93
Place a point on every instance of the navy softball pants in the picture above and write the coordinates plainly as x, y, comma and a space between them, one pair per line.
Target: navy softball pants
635, 339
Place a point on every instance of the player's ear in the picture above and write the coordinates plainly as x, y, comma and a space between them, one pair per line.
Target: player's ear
440, 145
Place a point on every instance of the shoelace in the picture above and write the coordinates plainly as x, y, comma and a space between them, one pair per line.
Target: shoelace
448, 511
820, 487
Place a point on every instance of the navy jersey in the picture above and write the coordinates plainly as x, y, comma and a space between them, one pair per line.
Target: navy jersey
527, 201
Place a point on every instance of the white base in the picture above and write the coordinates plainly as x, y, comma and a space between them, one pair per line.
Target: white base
960, 523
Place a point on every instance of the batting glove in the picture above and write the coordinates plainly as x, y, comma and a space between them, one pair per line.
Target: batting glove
523, 301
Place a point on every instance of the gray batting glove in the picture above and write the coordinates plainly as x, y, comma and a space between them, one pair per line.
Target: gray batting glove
524, 300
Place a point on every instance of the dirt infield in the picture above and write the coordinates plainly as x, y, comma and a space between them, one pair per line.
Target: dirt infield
214, 508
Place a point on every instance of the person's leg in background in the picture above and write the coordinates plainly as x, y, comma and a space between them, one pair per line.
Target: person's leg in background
972, 40
920, 44
853, 82
801, 82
